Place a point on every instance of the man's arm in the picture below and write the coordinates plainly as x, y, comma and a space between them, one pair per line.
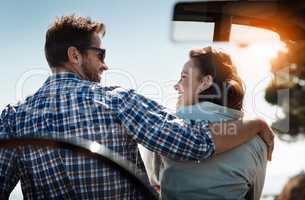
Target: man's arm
9, 175
153, 127
232, 134
156, 129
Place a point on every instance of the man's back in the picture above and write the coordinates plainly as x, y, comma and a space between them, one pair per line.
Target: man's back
65, 107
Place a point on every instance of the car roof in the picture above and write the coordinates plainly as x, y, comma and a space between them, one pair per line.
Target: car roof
285, 17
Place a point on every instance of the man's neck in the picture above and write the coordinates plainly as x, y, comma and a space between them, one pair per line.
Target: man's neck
56, 70
66, 68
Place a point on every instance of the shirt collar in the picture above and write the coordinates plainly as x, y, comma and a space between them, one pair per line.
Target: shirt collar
62, 76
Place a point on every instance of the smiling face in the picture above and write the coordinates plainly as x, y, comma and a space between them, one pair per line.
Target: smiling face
92, 65
190, 85
210, 75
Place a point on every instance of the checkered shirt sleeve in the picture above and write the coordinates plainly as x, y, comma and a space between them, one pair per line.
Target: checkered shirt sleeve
152, 126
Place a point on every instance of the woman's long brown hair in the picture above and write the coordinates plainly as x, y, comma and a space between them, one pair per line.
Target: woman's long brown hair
227, 89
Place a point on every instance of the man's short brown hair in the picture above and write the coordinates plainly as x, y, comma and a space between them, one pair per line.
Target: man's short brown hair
69, 31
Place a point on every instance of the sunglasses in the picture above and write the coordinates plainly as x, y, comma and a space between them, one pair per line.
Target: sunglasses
100, 52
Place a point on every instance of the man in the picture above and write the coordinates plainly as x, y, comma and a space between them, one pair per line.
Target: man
71, 103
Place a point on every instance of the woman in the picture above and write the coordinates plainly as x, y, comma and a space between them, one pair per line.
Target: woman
210, 89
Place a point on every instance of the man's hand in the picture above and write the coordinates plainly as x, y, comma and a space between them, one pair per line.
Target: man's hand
267, 135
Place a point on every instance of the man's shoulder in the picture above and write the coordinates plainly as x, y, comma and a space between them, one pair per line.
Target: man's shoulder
99, 87
115, 91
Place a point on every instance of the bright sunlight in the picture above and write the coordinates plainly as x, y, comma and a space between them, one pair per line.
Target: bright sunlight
260, 43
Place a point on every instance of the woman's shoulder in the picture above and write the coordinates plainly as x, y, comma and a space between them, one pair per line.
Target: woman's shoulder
208, 111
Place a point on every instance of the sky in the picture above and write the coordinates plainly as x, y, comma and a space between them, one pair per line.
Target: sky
140, 55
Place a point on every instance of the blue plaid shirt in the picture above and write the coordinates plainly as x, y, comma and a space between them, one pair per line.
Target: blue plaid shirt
66, 107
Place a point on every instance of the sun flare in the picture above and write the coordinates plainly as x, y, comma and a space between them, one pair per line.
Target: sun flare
266, 51
259, 42
256, 46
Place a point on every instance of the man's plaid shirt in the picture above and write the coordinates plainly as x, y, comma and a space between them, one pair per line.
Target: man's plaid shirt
66, 106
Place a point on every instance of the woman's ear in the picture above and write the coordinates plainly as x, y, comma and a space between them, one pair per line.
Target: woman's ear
205, 82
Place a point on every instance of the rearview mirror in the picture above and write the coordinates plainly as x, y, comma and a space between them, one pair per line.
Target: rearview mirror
218, 20
204, 32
